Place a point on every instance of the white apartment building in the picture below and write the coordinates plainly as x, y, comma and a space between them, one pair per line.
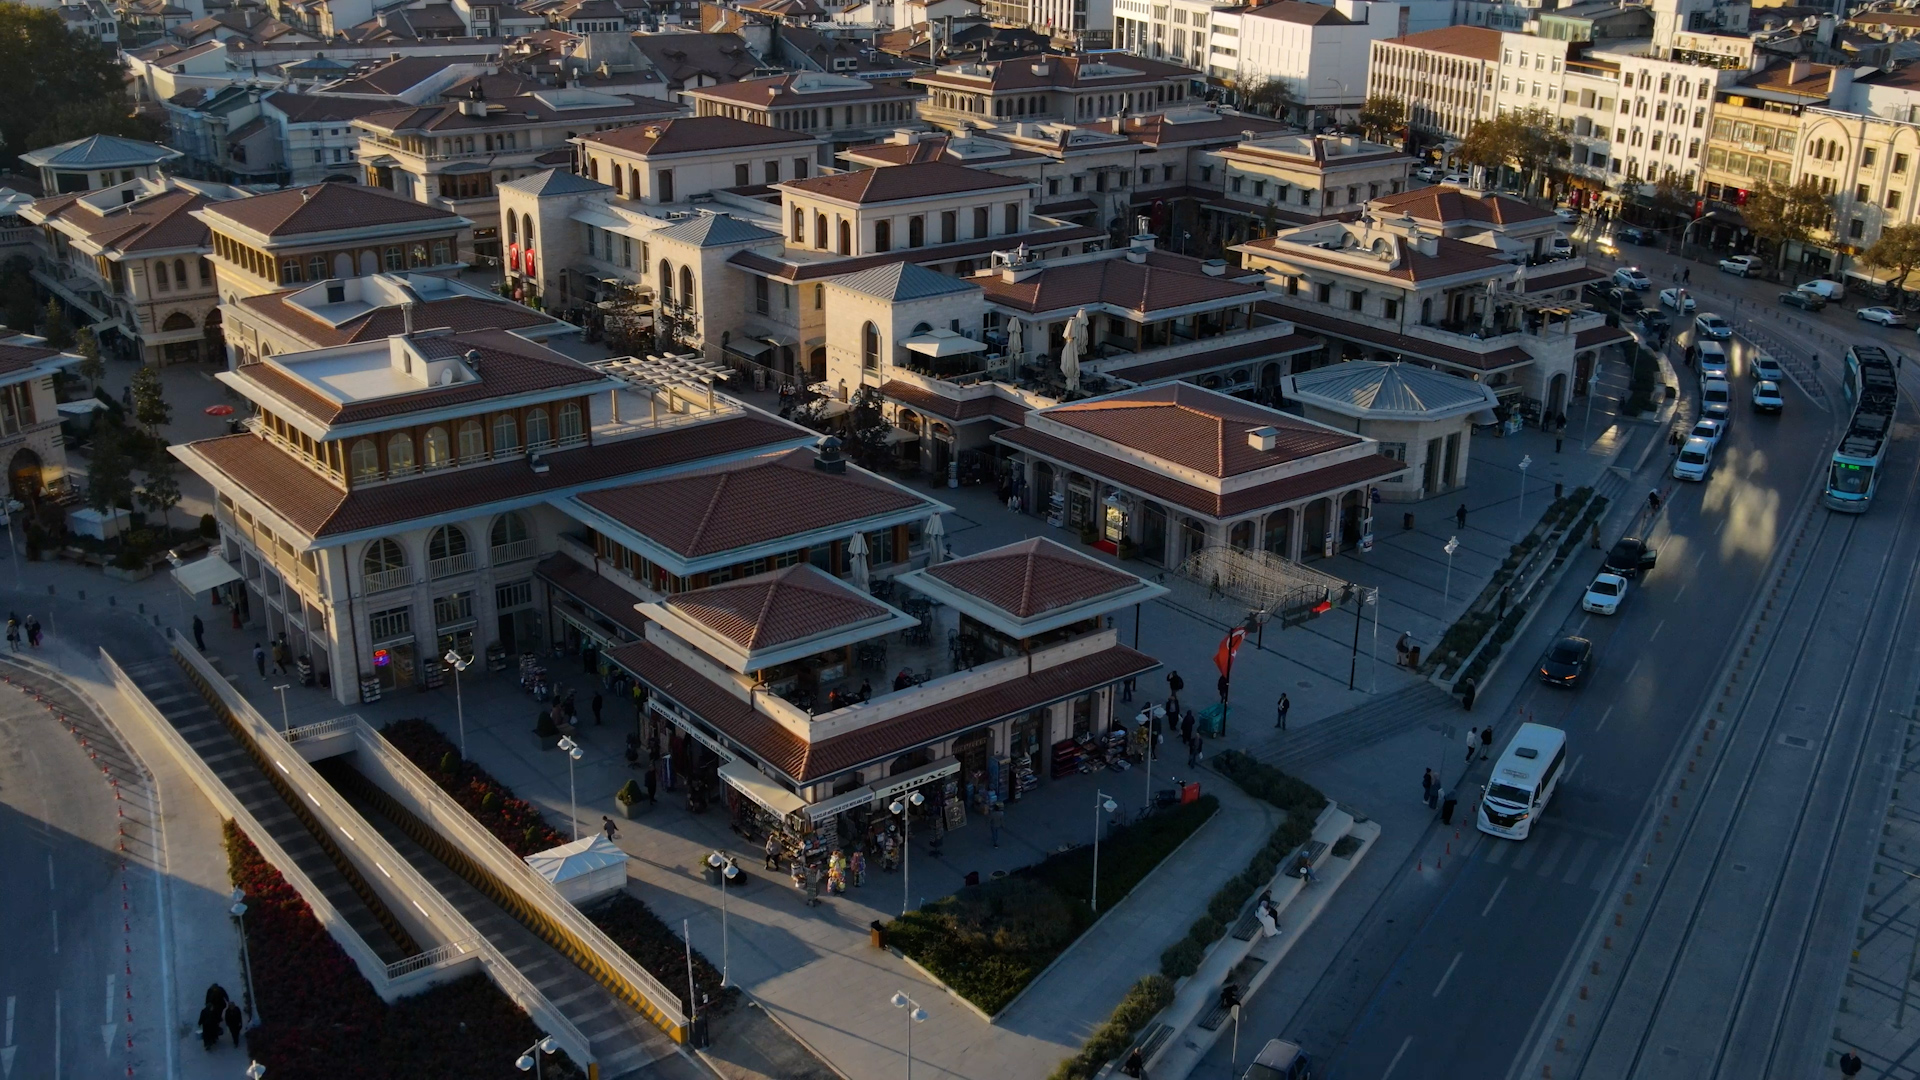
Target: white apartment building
1448, 78
1320, 51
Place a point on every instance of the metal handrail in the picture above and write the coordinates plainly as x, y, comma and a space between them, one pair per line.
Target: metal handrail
431, 958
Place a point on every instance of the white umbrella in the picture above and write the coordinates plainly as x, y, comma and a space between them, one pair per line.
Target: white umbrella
1070, 355
936, 541
1015, 335
857, 551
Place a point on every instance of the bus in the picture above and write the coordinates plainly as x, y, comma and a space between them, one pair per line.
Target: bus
1523, 781
1873, 391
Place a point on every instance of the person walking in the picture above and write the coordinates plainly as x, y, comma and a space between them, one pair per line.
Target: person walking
598, 703
653, 782
773, 850
996, 816
1850, 1064
1460, 516
1193, 751
235, 1021
1473, 743
33, 631
1175, 684
1686, 276
1285, 706
13, 634
199, 634
1593, 538
1486, 741
607, 826
1223, 687
1403, 646
1426, 786
1447, 806
1469, 689
279, 658
1136, 1065
259, 659
1653, 501
217, 996
209, 1028
1187, 724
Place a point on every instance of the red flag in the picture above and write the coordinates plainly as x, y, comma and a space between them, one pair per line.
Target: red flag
1229, 648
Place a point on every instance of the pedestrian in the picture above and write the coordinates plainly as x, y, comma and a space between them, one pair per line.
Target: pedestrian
1175, 684
217, 996
1673, 441
996, 817
1126, 689
1284, 707
1850, 1064
1486, 741
773, 850
1557, 440
1473, 743
1402, 646
33, 631
199, 634
1446, 808
1136, 1065
1426, 786
1223, 687
1460, 516
1213, 586
260, 659
1686, 276
13, 634
1506, 597
813, 885
1187, 724
607, 826
1593, 538
597, 703
1469, 690
279, 658
1193, 751
235, 1021
209, 1028
653, 782
1653, 501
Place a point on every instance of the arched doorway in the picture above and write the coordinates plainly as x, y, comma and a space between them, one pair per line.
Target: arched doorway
1153, 533
1240, 536
1193, 537
817, 365
174, 352
1280, 534
215, 338
1313, 530
25, 476
1352, 513
1556, 396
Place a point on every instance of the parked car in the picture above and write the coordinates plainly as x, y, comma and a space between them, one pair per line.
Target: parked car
1805, 301
1429, 173
1766, 397
1743, 265
1885, 316
1630, 234
1560, 248
1696, 457
1280, 1060
1713, 326
1765, 368
1707, 429
1457, 179
1677, 299
1831, 291
1716, 398
1632, 277
1655, 320
1566, 662
1624, 298
1630, 557
1567, 214
1604, 594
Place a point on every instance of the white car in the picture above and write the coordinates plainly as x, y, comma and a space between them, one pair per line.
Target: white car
1429, 173
1677, 299
1883, 315
1708, 429
1604, 595
1831, 291
1560, 248
1632, 277
1696, 457
1743, 265
1567, 214
1457, 179
1713, 326
1765, 368
1766, 397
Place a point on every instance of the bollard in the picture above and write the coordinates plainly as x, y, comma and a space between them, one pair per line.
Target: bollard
1619, 919
1607, 943
1583, 991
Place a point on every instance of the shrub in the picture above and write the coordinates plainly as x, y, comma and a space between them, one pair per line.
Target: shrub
1206, 930
629, 792
1182, 958
449, 762
1226, 903
658, 948
514, 822
1297, 797
208, 527
1113, 1038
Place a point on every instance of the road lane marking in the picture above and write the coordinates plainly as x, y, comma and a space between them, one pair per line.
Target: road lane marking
1572, 768
56, 931
107, 1026
1560, 845
1604, 715
56, 1035
1498, 854
6, 1052
1527, 852
1722, 525
1497, 890
1402, 1052
50, 885
1587, 848
1681, 591
1656, 630
1630, 671
1449, 974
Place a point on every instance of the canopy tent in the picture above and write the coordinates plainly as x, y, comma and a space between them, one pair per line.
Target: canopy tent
209, 573
943, 342
749, 781
584, 870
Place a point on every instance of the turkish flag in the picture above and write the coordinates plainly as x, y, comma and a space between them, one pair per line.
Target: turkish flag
1229, 648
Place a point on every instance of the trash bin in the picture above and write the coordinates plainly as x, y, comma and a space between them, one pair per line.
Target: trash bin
879, 934
1559, 489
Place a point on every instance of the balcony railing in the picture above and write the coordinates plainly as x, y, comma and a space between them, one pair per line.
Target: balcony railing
451, 565
512, 552
382, 580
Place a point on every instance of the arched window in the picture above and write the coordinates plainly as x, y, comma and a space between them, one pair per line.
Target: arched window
509, 538
539, 434
526, 229
447, 552
570, 422
883, 236
160, 274
317, 268
916, 231
870, 347
513, 229
400, 453
686, 287
633, 182
799, 226
473, 441
366, 460
666, 282
506, 434
846, 238
384, 565
439, 453
180, 272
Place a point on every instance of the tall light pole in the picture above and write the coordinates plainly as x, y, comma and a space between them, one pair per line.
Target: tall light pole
899, 807
1146, 721
574, 753
530, 1061
454, 661
1526, 462
915, 1015
13, 550
1102, 802
239, 910
1453, 545
727, 871
285, 722
255, 1071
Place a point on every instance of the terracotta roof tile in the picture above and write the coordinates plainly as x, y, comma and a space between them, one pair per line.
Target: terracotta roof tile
156, 223
1030, 578
1197, 429
325, 208
1065, 72
767, 611
1443, 203
921, 180
1326, 322
599, 595
1164, 281
14, 358
457, 313
1565, 278
693, 135
1476, 42
1208, 359
742, 504
926, 401
785, 270
1600, 335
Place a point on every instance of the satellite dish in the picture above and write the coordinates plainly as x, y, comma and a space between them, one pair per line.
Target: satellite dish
446, 376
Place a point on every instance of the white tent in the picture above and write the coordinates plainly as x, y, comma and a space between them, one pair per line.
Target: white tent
584, 870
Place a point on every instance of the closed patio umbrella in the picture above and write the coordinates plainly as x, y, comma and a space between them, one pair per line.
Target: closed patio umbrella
936, 541
857, 552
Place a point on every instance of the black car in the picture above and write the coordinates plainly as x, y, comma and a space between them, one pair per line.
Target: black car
1628, 234
1566, 661
1655, 319
1630, 557
1805, 301
1623, 298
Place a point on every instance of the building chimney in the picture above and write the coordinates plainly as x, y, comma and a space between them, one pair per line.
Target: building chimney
473, 361
406, 318
1263, 438
829, 460
1799, 71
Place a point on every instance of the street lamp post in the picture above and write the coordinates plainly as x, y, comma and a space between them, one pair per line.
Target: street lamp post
1453, 545
1526, 463
530, 1061
1101, 802
574, 753
727, 871
1146, 721
458, 665
239, 910
899, 807
915, 1015
285, 722
255, 1070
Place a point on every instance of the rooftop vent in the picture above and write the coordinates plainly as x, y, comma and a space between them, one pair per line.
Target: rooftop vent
473, 361
829, 459
1263, 438
1214, 268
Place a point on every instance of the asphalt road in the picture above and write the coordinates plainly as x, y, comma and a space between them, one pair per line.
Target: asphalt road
1452, 966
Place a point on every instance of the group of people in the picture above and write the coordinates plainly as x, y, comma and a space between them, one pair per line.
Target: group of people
218, 1010
17, 628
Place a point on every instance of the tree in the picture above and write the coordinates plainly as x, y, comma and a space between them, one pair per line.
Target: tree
1265, 94
1670, 199
16, 281
1785, 215
1898, 251
92, 367
52, 79
1529, 141
1488, 143
110, 472
161, 491
58, 334
1382, 115
150, 406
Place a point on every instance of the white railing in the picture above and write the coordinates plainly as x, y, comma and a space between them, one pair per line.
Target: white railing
382, 580
453, 950
451, 565
325, 727
512, 552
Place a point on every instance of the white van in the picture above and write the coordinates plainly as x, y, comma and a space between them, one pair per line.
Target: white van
1710, 357
1696, 457
1831, 291
1716, 399
1523, 781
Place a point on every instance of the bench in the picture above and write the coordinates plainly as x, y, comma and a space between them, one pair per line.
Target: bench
1313, 850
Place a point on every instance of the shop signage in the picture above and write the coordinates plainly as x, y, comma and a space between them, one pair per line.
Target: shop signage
894, 785
689, 725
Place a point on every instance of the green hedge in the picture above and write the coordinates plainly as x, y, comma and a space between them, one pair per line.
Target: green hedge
1115, 1037
988, 941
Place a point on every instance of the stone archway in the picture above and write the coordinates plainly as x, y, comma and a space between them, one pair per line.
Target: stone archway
1556, 397
1314, 529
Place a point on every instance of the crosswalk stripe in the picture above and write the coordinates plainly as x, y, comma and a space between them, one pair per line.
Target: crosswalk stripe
1497, 852
1527, 852
1587, 848
1560, 845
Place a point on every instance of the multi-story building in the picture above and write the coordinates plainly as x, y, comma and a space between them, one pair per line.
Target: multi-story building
349, 310
1295, 179
98, 161
452, 155
841, 111
672, 161
1075, 89
133, 259
1447, 78
1755, 136
32, 448
315, 134
1866, 164
1320, 52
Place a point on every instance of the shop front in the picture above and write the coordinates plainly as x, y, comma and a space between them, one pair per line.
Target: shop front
940, 810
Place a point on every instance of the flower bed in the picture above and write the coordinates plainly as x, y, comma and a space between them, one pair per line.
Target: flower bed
322, 1021
988, 941
659, 948
1114, 1037
516, 822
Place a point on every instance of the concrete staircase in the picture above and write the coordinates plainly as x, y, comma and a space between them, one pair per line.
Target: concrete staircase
1376, 721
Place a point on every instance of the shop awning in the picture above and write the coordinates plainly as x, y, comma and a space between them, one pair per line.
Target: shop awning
840, 804
749, 781
209, 573
894, 785
943, 342
747, 347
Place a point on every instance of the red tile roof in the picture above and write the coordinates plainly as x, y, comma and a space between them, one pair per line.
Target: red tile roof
693, 135
778, 91
1443, 203
921, 180
1197, 429
1451, 257
784, 270
156, 223
1164, 281
457, 313
741, 504
1160, 129
323, 208
1033, 577
1477, 42
310, 503
955, 409
767, 611
931, 148
805, 762
1209, 359
1295, 11
1565, 278
1066, 72
14, 358
599, 595
1600, 335
1330, 323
